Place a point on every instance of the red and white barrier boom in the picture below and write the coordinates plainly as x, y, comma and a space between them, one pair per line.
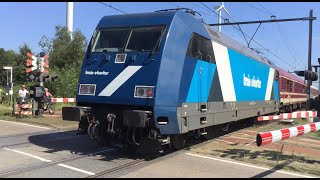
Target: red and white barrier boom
298, 114
282, 134
56, 100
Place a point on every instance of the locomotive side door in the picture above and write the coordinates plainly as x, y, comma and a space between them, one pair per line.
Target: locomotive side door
206, 72
200, 50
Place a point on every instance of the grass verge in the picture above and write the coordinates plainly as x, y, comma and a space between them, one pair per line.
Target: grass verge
6, 114
276, 159
51, 122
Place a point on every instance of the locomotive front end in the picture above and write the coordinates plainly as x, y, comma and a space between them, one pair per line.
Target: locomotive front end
117, 85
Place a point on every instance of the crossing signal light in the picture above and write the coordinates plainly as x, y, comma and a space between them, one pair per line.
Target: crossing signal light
53, 77
299, 73
44, 76
308, 75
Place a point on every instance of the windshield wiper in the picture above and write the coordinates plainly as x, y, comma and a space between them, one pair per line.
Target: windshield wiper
101, 50
158, 42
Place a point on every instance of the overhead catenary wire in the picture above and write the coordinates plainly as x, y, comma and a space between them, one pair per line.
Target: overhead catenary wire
225, 19
174, 4
265, 9
252, 40
289, 47
113, 7
259, 9
283, 35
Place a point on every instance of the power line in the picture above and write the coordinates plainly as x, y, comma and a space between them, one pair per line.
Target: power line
199, 6
207, 7
174, 4
266, 9
285, 39
202, 13
258, 9
225, 19
112, 7
252, 40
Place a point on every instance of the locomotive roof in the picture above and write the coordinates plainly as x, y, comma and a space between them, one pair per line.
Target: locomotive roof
166, 17
233, 44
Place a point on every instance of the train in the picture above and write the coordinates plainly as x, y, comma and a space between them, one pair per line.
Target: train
293, 92
166, 75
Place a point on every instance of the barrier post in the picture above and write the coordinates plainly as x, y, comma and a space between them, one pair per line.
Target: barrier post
33, 111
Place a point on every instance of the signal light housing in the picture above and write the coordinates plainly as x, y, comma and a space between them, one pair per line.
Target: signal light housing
144, 92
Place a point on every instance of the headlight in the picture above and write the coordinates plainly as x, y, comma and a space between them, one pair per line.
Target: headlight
144, 91
87, 89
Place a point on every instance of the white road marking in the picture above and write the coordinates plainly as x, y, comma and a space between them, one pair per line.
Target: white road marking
240, 137
252, 166
250, 131
76, 169
63, 165
25, 124
238, 133
224, 141
27, 154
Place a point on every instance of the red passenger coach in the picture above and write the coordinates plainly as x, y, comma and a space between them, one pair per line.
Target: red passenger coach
293, 91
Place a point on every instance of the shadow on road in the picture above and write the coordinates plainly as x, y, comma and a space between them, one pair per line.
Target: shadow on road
270, 171
275, 156
83, 145
265, 154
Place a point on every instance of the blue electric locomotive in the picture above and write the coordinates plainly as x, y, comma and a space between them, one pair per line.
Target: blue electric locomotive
161, 75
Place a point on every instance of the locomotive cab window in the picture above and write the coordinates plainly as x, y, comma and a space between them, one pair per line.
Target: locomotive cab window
110, 40
144, 39
276, 76
200, 48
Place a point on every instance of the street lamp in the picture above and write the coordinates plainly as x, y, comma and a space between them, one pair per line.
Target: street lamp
10, 84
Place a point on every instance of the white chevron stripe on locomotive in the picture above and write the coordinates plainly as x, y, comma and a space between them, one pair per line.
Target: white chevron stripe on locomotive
270, 84
119, 80
224, 72
298, 114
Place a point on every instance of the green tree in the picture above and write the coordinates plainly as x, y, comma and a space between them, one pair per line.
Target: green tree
20, 75
65, 59
7, 58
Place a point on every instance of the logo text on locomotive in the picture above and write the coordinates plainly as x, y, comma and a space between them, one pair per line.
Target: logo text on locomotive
96, 73
251, 82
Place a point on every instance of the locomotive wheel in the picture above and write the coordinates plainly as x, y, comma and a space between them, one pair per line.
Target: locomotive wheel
95, 132
291, 108
90, 130
178, 141
82, 128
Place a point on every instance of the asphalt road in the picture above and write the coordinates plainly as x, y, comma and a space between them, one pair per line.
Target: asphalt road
32, 151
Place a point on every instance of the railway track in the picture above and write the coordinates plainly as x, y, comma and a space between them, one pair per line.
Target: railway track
137, 162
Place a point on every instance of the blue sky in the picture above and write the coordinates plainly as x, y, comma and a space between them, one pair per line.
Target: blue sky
29, 21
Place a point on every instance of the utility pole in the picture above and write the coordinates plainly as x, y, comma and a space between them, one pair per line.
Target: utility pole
10, 84
309, 82
70, 17
41, 59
